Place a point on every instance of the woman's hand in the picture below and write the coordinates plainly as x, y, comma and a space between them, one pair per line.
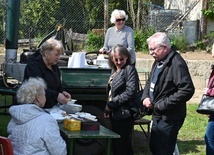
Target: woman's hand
102, 50
107, 112
63, 97
67, 95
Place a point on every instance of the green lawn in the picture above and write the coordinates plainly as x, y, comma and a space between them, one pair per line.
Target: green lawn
3, 124
4, 119
191, 135
190, 139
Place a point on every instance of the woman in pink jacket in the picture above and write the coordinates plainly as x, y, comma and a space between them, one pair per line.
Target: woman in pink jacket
209, 135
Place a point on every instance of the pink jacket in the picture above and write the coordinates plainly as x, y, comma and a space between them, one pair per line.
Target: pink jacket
210, 85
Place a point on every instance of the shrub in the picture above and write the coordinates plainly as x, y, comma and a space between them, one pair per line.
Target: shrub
94, 41
179, 41
208, 41
140, 37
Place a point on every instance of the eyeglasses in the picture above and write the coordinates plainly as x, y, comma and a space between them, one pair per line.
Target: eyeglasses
153, 49
120, 19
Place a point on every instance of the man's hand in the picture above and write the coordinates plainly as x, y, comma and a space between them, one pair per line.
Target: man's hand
147, 103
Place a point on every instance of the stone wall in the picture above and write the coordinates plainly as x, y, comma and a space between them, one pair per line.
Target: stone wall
199, 70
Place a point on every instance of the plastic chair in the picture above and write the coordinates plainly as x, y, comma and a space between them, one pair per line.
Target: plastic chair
5, 146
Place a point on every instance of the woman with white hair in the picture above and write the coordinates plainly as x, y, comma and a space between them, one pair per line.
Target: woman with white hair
119, 34
32, 130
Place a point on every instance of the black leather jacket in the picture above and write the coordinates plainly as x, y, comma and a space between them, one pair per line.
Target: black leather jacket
124, 87
173, 88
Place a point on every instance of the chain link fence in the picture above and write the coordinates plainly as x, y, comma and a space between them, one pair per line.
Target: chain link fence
39, 18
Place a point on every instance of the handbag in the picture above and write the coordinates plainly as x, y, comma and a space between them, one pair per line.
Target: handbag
206, 105
143, 110
139, 109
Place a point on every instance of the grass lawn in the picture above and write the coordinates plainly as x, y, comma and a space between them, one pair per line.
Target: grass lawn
190, 138
3, 124
191, 135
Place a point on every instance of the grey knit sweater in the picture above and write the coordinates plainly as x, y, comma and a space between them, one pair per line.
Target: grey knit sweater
124, 37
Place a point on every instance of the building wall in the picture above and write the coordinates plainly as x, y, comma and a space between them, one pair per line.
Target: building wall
195, 14
184, 5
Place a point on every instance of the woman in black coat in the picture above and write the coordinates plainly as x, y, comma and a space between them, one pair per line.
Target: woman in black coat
45, 66
123, 84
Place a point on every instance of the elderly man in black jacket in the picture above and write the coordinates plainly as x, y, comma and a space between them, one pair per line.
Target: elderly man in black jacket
167, 90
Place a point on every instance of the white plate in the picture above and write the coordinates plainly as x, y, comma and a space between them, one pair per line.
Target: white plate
57, 113
71, 108
59, 116
86, 115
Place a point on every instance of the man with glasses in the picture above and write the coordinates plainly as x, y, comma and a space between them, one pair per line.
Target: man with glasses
120, 34
166, 92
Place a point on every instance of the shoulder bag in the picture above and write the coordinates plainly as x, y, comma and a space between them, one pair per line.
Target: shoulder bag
206, 105
139, 108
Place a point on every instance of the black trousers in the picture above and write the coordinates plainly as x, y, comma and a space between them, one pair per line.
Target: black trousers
123, 145
164, 136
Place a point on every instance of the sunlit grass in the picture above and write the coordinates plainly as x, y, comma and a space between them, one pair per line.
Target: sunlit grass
191, 135
190, 138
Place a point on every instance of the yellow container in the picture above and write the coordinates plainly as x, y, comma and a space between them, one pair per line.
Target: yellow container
72, 124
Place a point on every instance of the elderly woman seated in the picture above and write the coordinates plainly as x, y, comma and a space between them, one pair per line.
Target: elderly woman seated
32, 130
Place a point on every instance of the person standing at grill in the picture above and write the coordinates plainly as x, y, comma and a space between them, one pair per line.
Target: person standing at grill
119, 34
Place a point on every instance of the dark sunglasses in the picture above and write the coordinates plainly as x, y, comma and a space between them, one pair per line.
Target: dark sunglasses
122, 19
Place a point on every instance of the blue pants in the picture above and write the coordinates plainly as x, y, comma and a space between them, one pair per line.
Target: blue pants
164, 136
209, 136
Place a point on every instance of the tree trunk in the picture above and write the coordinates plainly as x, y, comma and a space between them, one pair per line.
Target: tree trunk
132, 13
105, 16
139, 11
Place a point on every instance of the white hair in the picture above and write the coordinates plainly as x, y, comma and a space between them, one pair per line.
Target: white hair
52, 44
159, 38
29, 89
117, 13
